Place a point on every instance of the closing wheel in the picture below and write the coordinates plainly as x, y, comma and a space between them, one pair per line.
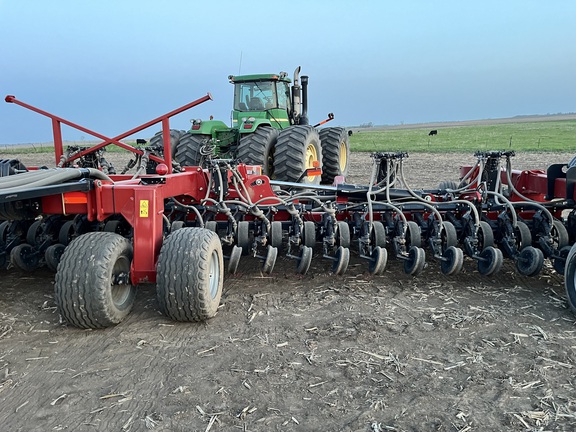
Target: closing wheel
378, 235
523, 236
448, 235
559, 234
570, 278
341, 260
453, 261
53, 255
490, 262
34, 234
413, 234
559, 263
93, 288
530, 261
378, 261
25, 257
189, 275
276, 234
309, 234
485, 235
415, 262
305, 260
343, 234
268, 264
243, 237
67, 232
234, 260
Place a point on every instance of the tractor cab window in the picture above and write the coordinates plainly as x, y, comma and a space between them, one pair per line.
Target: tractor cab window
255, 96
283, 91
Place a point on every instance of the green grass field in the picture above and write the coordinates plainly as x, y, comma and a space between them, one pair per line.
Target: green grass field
521, 136
529, 136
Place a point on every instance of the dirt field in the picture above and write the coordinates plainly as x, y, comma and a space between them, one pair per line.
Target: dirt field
313, 353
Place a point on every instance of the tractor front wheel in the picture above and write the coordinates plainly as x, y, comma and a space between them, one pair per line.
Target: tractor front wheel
298, 148
93, 288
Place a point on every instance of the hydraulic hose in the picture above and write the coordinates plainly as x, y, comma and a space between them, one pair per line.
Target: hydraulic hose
49, 178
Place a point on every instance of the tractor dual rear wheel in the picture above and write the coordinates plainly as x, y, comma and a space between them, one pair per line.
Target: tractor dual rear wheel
189, 275
258, 147
93, 288
335, 153
298, 148
190, 150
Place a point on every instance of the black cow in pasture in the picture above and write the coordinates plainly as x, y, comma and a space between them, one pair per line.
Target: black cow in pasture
433, 132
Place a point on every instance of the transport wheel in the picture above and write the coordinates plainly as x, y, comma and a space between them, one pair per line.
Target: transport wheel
559, 263
3, 231
490, 262
530, 261
189, 149
454, 261
342, 259
413, 234
485, 235
415, 262
305, 260
276, 234
243, 237
176, 225
309, 234
378, 235
271, 255
298, 148
189, 275
335, 153
212, 226
157, 139
559, 234
448, 235
378, 260
570, 278
53, 255
257, 148
234, 260
93, 288
343, 234
25, 257
523, 236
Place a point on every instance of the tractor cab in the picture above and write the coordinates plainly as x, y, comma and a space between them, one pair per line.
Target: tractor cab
262, 98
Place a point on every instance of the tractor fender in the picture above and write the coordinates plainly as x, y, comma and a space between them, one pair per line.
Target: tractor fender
209, 127
244, 129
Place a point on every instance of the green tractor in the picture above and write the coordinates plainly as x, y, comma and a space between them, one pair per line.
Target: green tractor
269, 128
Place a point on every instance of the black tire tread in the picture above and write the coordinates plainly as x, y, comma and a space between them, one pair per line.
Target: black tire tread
289, 161
330, 139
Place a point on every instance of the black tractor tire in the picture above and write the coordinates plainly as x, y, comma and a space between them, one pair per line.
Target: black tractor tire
86, 291
175, 135
297, 149
257, 148
570, 278
189, 149
189, 275
335, 153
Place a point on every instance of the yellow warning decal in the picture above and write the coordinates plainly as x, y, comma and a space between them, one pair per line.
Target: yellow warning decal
144, 208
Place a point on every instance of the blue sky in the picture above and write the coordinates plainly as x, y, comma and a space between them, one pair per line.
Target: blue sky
111, 65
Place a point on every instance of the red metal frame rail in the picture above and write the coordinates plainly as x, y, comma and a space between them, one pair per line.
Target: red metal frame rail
164, 119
